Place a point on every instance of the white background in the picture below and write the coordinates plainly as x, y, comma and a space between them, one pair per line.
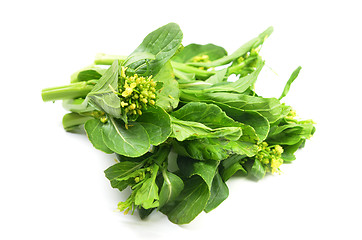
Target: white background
52, 183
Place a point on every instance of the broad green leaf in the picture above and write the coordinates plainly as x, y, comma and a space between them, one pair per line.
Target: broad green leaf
260, 125
171, 188
291, 133
103, 95
193, 50
157, 123
213, 148
289, 150
290, 81
208, 114
270, 108
93, 129
168, 95
131, 142
232, 165
138, 56
247, 47
257, 170
190, 203
205, 169
147, 195
187, 130
218, 193
163, 44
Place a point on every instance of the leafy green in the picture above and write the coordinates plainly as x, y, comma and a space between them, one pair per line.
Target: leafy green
177, 125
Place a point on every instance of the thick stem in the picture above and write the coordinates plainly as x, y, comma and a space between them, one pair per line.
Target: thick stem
107, 59
71, 91
73, 120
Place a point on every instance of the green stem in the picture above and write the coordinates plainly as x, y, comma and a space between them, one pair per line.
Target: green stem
107, 59
73, 120
71, 91
199, 73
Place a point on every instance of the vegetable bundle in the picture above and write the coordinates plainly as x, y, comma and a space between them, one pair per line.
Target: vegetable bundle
178, 127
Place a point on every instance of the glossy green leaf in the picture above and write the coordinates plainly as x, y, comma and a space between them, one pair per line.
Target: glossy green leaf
168, 95
93, 129
205, 169
232, 165
187, 130
190, 203
131, 142
103, 95
163, 44
147, 195
218, 193
157, 123
193, 50
171, 188
257, 171
213, 148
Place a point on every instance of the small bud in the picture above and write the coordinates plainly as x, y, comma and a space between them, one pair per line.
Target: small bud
104, 119
153, 84
132, 106
152, 102
144, 100
139, 112
127, 92
123, 104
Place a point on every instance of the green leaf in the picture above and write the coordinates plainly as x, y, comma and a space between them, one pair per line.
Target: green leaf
232, 165
163, 44
290, 81
93, 129
131, 142
257, 170
205, 169
240, 85
291, 133
171, 188
190, 203
187, 130
219, 192
260, 125
138, 56
213, 148
119, 174
157, 123
87, 73
147, 195
103, 95
270, 108
218, 77
193, 50
168, 95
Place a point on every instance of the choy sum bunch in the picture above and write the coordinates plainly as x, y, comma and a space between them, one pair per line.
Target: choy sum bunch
168, 103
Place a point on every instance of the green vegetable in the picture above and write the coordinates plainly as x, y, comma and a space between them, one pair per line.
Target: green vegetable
165, 103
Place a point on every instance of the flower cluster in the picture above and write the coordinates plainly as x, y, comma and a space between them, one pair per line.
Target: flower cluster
270, 157
136, 92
